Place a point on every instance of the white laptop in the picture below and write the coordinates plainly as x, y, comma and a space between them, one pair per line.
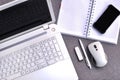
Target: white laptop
36, 53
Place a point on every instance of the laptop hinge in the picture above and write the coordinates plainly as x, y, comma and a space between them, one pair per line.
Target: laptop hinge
45, 27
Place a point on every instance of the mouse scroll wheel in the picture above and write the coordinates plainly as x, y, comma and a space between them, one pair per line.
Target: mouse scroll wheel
95, 47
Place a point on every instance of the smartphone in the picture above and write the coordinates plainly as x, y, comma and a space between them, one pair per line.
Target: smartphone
106, 19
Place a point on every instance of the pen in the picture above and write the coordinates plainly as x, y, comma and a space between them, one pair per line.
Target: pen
85, 54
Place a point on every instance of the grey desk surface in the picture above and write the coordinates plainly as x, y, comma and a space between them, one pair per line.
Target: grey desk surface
109, 72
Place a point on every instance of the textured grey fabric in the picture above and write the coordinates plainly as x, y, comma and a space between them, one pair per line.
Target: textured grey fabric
5, 1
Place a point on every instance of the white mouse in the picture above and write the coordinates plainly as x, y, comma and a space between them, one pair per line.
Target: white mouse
97, 51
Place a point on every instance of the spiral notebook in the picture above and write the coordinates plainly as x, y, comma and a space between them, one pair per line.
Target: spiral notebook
77, 18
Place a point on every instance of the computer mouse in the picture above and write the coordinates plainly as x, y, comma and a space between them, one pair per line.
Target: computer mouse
98, 53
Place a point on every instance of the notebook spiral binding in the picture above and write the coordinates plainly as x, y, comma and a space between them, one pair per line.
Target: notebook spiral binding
90, 14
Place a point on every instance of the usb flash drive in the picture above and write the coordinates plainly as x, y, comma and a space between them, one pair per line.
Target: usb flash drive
79, 53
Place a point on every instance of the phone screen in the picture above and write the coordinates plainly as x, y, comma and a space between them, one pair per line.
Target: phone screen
106, 19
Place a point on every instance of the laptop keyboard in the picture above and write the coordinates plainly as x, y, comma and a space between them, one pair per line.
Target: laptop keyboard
30, 59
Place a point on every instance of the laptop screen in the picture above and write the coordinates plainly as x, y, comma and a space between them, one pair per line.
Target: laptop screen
22, 17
